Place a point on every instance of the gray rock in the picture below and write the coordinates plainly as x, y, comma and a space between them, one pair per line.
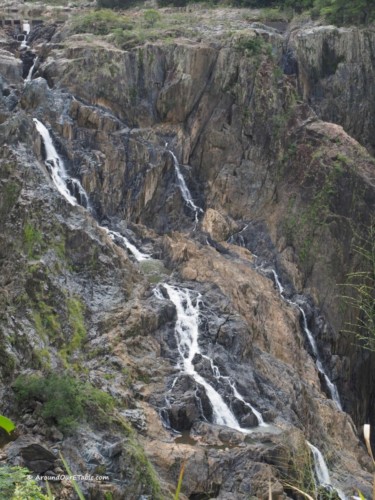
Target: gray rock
136, 418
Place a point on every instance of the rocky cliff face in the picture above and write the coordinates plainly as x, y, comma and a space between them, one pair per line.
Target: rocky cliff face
335, 68
280, 193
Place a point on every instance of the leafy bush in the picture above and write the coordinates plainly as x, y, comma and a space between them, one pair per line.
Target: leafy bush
16, 485
65, 400
347, 11
151, 17
253, 46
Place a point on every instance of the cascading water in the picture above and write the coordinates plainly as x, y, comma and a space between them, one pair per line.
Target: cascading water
139, 256
26, 27
26, 30
237, 395
30, 73
239, 236
187, 334
330, 385
56, 166
321, 471
184, 189
72, 189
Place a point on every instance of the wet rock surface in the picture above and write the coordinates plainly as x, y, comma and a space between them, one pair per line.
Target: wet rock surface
247, 149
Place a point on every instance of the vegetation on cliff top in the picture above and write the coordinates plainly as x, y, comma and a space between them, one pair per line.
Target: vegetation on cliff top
335, 11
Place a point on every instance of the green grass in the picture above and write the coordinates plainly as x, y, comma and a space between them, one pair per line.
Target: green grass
33, 239
77, 323
101, 22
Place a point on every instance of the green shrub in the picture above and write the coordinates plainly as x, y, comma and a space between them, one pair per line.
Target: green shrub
15, 484
252, 46
65, 400
151, 17
101, 22
347, 11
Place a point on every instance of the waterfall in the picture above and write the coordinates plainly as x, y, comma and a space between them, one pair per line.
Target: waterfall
26, 27
239, 235
330, 385
124, 241
257, 413
184, 189
322, 472
55, 165
26, 31
278, 284
236, 394
321, 469
30, 73
72, 189
187, 334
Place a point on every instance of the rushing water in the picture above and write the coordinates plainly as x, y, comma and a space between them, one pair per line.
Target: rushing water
187, 335
184, 189
25, 30
321, 471
239, 236
330, 385
55, 165
30, 73
114, 235
72, 190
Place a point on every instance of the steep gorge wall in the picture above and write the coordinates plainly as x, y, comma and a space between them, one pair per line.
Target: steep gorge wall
336, 75
256, 153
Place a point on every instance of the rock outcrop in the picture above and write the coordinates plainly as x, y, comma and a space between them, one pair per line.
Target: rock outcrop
280, 193
335, 67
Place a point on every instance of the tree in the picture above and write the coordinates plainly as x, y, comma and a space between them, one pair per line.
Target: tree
347, 11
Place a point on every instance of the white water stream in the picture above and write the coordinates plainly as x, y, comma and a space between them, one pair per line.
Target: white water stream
331, 386
236, 394
62, 180
55, 164
187, 334
184, 189
26, 30
139, 256
321, 471
30, 73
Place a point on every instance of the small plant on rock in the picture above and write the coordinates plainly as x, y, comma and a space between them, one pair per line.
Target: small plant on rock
65, 400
